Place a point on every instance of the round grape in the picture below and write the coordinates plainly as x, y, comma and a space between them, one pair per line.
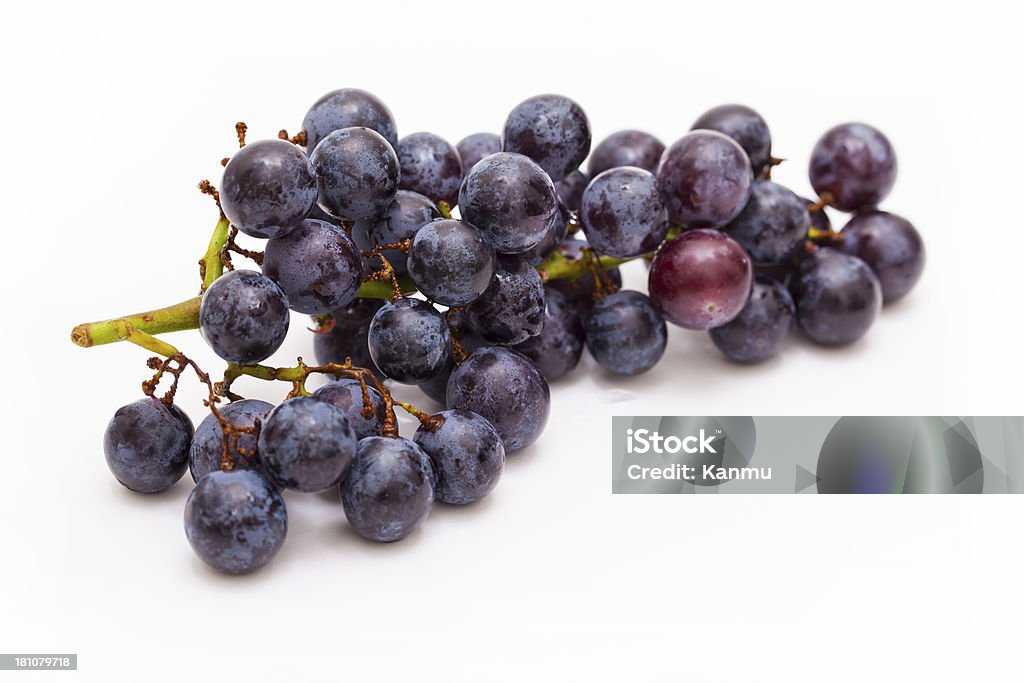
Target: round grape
761, 328
235, 521
401, 221
510, 200
475, 147
837, 297
268, 188
317, 265
466, 453
409, 340
507, 389
623, 214
511, 310
207, 451
745, 126
146, 445
357, 173
773, 226
890, 245
348, 108
346, 395
558, 347
626, 148
700, 280
430, 166
855, 164
244, 317
387, 492
450, 262
347, 337
307, 444
550, 129
704, 178
625, 334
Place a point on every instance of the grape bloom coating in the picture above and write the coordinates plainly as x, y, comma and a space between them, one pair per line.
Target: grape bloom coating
478, 273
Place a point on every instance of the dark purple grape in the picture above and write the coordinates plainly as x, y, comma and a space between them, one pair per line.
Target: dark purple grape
348, 108
235, 521
891, 247
700, 280
450, 262
244, 317
473, 148
388, 490
550, 129
579, 292
837, 297
357, 173
409, 340
430, 166
347, 338
307, 444
268, 188
773, 226
317, 265
745, 126
626, 148
346, 395
146, 445
819, 219
855, 164
623, 214
761, 328
507, 389
512, 309
466, 453
625, 334
510, 200
704, 178
207, 451
401, 221
558, 347
555, 235
570, 189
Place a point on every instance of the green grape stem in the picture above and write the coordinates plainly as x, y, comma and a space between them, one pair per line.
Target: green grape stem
184, 315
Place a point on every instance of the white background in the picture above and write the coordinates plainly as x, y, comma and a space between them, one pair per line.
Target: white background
111, 114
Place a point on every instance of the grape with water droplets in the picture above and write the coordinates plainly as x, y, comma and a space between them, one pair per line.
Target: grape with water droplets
346, 395
357, 173
206, 453
626, 148
475, 147
558, 347
773, 225
625, 334
704, 178
268, 188
430, 166
317, 265
146, 444
623, 214
745, 126
348, 108
403, 218
409, 340
550, 129
466, 453
387, 492
244, 317
450, 262
511, 310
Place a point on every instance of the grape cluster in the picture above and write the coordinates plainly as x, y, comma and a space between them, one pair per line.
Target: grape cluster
514, 285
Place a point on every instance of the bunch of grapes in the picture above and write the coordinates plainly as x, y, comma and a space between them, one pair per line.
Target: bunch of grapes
514, 250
